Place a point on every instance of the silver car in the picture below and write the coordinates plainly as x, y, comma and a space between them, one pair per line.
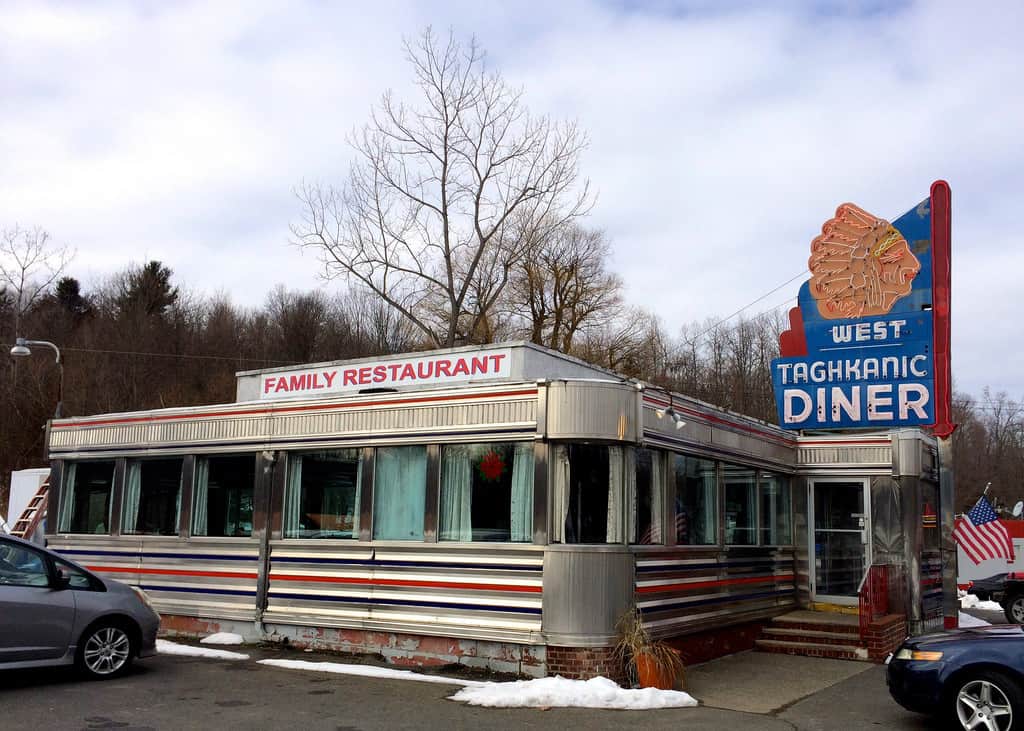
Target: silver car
54, 612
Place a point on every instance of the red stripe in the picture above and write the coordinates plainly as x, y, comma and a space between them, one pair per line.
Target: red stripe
287, 409
709, 584
355, 580
173, 572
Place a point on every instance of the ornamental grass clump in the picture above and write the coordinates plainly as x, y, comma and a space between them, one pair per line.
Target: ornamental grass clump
649, 663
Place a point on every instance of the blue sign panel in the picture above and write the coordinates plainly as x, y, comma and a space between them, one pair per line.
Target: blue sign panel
860, 351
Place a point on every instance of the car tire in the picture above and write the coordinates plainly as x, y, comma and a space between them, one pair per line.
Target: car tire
1013, 608
991, 694
106, 650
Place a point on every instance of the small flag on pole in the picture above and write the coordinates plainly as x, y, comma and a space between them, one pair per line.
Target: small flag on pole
982, 535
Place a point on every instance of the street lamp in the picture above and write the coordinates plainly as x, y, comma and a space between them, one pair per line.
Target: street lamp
21, 350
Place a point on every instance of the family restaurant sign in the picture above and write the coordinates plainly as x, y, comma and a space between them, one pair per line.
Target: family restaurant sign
868, 344
389, 373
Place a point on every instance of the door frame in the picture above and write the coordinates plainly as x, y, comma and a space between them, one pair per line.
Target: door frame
812, 568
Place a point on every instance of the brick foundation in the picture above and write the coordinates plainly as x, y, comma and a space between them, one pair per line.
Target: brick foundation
583, 663
404, 650
703, 646
884, 635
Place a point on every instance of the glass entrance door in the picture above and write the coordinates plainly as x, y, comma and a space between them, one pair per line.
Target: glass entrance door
839, 530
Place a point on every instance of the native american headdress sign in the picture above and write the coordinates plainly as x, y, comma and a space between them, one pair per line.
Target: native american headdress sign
868, 345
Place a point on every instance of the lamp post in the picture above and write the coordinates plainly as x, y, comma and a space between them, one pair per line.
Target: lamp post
21, 350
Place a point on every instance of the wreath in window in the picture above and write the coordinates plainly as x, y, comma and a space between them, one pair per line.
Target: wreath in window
491, 467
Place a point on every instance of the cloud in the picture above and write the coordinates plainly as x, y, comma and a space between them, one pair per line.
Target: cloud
722, 135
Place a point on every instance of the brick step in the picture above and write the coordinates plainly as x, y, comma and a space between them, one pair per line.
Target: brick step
815, 626
813, 649
820, 637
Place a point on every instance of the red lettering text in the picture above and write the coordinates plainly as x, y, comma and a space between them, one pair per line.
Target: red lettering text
348, 377
379, 374
329, 376
441, 368
461, 368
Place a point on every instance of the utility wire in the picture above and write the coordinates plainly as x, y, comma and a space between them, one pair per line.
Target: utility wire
177, 355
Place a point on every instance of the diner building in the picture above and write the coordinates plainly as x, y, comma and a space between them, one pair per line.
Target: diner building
501, 507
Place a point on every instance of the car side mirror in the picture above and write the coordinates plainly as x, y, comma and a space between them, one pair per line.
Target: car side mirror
62, 580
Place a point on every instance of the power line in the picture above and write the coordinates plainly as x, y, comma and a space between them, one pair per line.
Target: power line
178, 355
751, 304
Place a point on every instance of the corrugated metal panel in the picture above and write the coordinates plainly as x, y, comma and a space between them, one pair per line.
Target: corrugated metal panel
683, 590
460, 591
592, 410
377, 418
843, 455
214, 577
586, 591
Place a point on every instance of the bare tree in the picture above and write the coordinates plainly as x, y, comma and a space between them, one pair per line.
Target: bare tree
562, 287
429, 203
29, 263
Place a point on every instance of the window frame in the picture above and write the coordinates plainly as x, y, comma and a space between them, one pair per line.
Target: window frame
364, 473
193, 479
68, 479
182, 487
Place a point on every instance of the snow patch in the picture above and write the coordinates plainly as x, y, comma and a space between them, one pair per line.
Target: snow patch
371, 671
966, 620
970, 601
563, 693
171, 648
223, 638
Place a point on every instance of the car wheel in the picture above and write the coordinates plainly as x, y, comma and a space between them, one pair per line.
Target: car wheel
1013, 608
105, 651
988, 701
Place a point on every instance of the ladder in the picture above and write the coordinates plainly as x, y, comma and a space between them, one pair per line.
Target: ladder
34, 512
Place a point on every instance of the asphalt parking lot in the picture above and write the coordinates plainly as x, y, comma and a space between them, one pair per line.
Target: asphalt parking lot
169, 692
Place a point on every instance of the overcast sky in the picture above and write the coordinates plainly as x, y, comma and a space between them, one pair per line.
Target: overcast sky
722, 135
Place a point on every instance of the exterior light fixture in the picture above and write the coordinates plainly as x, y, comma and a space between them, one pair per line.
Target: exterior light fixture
670, 412
21, 350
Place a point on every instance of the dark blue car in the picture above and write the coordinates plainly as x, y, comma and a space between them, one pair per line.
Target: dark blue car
973, 676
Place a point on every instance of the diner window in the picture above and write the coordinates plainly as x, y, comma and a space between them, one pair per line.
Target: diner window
223, 501
399, 493
776, 528
740, 505
322, 495
85, 506
644, 492
696, 500
152, 497
588, 494
487, 492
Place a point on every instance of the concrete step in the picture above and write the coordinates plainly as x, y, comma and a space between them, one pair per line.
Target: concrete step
816, 625
813, 649
819, 636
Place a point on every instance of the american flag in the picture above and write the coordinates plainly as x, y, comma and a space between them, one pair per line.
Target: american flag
982, 535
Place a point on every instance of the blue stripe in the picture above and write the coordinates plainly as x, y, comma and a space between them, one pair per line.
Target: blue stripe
765, 563
262, 442
407, 564
403, 603
148, 554
716, 600
187, 590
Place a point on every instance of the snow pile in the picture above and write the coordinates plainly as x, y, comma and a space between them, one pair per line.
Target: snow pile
371, 671
560, 692
223, 638
970, 601
967, 620
171, 648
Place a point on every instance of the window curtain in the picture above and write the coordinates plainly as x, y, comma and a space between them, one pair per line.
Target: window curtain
357, 501
522, 493
400, 485
657, 500
456, 494
632, 498
67, 506
560, 493
200, 501
616, 468
293, 498
130, 501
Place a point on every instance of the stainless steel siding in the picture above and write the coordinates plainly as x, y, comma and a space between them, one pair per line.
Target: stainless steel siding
213, 577
592, 410
587, 589
454, 590
687, 590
